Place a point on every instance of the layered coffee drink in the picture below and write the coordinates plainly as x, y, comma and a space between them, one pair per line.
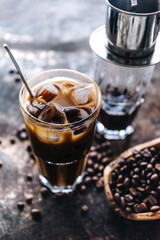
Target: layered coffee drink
60, 126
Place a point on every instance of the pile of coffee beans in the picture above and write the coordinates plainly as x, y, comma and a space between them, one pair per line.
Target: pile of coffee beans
135, 183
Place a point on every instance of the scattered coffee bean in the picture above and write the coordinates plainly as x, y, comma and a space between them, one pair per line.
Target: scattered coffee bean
20, 205
11, 71
83, 188
12, 139
23, 135
29, 198
29, 177
44, 191
17, 79
84, 208
29, 149
36, 214
1, 164
32, 156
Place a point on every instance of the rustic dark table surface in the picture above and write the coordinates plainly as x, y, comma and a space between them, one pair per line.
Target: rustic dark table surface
54, 34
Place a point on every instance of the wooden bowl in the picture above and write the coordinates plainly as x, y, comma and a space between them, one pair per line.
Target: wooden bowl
107, 177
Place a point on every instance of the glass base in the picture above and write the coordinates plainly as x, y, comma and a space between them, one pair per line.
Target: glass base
114, 134
60, 189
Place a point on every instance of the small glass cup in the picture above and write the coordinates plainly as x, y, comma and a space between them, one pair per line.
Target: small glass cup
123, 90
60, 149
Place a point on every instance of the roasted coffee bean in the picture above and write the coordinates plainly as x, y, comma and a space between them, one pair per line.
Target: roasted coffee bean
136, 177
122, 202
20, 205
137, 208
12, 139
29, 198
154, 193
157, 166
12, 71
128, 209
155, 208
44, 191
90, 171
1, 164
99, 174
96, 166
154, 177
134, 182
141, 189
158, 188
120, 178
136, 170
149, 166
152, 200
123, 169
17, 79
100, 184
153, 160
29, 149
90, 162
143, 207
23, 135
36, 214
105, 160
117, 197
84, 208
32, 156
29, 177
95, 178
87, 179
128, 197
93, 154
133, 191
101, 167
143, 164
93, 148
126, 182
138, 156
149, 175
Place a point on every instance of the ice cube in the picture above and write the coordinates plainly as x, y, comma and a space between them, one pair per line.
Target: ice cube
53, 113
82, 95
75, 114
34, 107
67, 87
47, 92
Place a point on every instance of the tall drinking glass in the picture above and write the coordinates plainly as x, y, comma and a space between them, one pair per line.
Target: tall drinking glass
60, 148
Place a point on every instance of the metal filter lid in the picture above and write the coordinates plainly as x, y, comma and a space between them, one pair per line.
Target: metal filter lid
98, 43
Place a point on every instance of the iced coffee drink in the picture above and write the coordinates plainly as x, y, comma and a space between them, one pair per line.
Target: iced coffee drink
60, 121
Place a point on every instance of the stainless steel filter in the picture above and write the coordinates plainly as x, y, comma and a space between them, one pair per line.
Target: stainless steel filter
132, 27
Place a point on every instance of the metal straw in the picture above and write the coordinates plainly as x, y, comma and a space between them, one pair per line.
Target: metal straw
18, 69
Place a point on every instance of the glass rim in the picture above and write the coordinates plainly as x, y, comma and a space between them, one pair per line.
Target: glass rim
57, 124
